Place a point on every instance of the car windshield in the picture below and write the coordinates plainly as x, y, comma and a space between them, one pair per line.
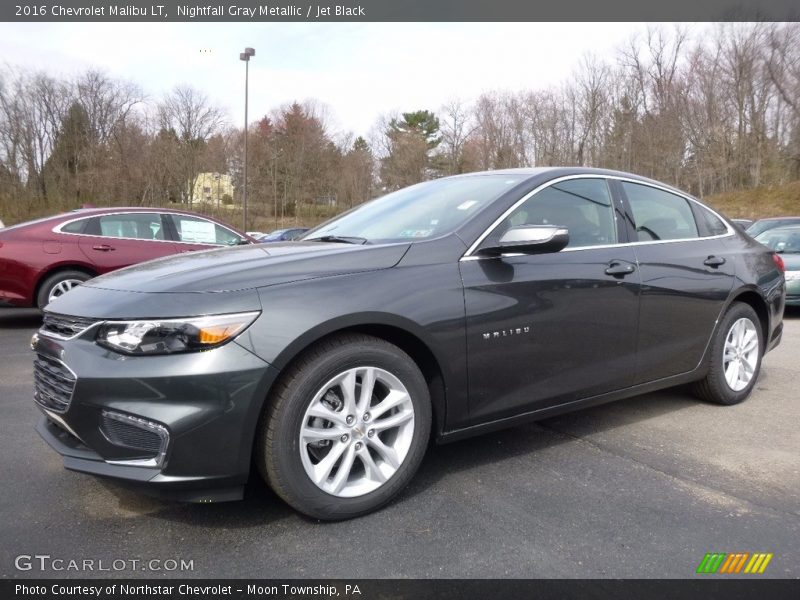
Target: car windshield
763, 225
785, 240
418, 212
275, 235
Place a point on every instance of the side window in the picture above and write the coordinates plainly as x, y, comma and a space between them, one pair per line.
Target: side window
583, 206
74, 227
199, 231
659, 215
138, 226
713, 224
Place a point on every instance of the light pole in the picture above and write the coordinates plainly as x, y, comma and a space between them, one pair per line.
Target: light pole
245, 56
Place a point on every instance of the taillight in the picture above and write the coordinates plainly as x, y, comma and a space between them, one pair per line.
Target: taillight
776, 258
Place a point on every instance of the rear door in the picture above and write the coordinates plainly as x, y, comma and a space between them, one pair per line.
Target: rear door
544, 329
687, 274
118, 240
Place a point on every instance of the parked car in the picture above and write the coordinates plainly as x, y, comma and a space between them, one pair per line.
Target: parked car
447, 309
786, 242
763, 225
742, 223
40, 260
283, 235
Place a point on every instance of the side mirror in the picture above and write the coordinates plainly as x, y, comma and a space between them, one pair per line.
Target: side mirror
780, 247
530, 239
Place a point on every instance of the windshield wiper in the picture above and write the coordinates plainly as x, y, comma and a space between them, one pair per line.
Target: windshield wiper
339, 239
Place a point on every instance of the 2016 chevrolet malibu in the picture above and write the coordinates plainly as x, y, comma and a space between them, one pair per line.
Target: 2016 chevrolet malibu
442, 310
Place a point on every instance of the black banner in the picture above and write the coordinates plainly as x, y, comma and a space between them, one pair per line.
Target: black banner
397, 10
411, 589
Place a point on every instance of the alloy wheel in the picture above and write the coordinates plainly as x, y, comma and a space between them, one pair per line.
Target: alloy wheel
356, 431
62, 287
740, 354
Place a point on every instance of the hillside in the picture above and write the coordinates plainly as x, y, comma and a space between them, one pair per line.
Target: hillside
756, 203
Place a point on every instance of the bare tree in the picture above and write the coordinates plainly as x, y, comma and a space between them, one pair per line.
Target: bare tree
188, 113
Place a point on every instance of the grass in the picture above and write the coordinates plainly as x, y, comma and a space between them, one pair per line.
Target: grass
757, 203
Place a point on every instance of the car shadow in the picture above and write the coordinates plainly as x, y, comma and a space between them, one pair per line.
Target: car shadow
20, 318
541, 435
791, 313
260, 506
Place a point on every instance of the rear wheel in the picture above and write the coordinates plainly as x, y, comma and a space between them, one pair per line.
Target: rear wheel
59, 284
736, 353
346, 428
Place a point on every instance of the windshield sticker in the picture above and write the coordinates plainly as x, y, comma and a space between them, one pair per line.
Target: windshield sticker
199, 232
415, 233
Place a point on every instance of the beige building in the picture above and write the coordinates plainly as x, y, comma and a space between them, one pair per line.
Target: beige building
214, 188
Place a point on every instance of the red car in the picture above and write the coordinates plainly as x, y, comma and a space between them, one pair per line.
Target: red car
40, 260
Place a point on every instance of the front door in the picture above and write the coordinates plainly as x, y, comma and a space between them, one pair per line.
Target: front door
545, 329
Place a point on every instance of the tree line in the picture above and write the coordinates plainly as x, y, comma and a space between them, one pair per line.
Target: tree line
709, 110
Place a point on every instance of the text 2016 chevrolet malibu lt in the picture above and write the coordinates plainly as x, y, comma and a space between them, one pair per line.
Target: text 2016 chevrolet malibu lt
443, 310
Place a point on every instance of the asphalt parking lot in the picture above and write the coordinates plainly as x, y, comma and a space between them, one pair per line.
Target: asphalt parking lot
637, 489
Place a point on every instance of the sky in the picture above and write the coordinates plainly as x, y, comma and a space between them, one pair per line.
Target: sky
358, 70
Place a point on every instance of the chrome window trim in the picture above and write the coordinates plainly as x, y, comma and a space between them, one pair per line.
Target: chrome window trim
469, 254
57, 228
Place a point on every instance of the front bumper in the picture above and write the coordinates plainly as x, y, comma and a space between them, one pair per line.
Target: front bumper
208, 403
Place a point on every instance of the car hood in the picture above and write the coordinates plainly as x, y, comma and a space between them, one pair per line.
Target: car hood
248, 267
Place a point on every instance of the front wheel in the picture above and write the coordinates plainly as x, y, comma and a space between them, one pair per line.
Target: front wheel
59, 284
736, 353
346, 427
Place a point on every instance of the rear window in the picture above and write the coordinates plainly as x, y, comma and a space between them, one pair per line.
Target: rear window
74, 227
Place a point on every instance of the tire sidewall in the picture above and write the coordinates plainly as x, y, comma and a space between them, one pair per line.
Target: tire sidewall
717, 372
286, 446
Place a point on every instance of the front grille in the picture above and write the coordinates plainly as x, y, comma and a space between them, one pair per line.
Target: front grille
64, 326
53, 383
134, 433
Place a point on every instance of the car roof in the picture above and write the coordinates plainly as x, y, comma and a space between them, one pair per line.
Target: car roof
779, 219
787, 228
80, 213
552, 172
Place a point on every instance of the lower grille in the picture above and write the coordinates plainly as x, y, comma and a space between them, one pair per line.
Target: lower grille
64, 326
134, 433
53, 383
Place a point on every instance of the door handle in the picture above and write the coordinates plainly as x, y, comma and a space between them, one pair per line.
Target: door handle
714, 261
620, 269
103, 248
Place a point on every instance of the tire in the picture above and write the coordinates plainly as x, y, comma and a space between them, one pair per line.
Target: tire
716, 386
315, 383
56, 284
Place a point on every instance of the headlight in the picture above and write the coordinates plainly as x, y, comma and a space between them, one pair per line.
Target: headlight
170, 336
